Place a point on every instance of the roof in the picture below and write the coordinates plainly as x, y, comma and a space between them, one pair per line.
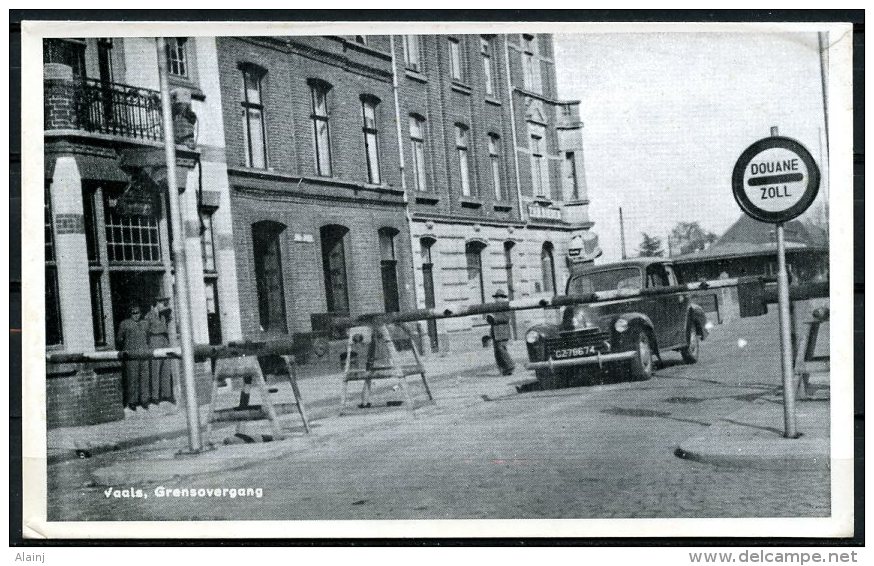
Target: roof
748, 237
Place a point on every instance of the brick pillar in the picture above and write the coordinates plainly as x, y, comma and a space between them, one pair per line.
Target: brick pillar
59, 97
71, 256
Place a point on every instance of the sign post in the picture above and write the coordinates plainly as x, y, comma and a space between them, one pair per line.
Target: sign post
774, 181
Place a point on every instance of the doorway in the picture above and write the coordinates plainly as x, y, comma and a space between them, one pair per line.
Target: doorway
129, 288
428, 279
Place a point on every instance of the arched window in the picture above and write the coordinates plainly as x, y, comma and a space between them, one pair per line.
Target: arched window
321, 130
389, 267
417, 144
462, 149
547, 262
473, 252
252, 102
370, 115
266, 237
333, 238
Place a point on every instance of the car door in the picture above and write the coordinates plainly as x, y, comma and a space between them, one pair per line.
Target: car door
677, 308
663, 310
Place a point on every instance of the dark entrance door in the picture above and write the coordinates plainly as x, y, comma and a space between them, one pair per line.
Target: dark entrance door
130, 288
428, 278
334, 266
508, 265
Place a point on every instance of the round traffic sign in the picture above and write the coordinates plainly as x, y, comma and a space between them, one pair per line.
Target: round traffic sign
775, 179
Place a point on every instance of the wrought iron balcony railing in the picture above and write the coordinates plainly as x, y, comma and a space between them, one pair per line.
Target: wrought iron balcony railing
115, 109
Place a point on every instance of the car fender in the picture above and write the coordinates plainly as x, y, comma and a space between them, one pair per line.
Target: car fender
697, 315
537, 352
636, 319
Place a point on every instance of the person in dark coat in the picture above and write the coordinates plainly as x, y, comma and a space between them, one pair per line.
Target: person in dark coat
132, 336
500, 333
161, 378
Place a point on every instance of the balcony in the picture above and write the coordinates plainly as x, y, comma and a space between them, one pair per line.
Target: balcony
102, 107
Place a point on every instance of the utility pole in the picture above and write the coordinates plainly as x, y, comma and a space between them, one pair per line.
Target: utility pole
622, 233
180, 265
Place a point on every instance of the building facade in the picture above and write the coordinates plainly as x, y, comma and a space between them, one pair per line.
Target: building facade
106, 235
323, 176
494, 172
319, 209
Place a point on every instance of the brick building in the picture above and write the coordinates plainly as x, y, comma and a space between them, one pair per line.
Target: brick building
494, 171
107, 238
319, 208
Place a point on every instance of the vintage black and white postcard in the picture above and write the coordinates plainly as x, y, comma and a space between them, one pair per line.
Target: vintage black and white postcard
437, 279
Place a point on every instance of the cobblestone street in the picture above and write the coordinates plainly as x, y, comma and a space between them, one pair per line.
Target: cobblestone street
482, 451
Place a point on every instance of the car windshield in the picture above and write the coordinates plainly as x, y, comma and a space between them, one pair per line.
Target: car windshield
608, 280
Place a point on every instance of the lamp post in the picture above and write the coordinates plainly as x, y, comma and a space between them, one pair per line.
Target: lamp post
180, 265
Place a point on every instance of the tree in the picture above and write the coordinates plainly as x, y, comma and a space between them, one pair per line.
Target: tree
650, 246
688, 237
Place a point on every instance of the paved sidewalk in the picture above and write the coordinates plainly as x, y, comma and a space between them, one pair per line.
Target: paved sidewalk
749, 437
321, 394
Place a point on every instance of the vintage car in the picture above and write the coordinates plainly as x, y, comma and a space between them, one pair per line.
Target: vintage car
622, 337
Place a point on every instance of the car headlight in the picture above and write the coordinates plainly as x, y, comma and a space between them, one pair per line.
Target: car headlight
532, 336
621, 325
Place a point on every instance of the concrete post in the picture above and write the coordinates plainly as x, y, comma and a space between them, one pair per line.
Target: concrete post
71, 256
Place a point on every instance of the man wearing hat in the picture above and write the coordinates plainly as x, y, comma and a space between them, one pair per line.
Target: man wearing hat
158, 324
500, 332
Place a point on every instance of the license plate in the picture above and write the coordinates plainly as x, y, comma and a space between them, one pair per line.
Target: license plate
574, 352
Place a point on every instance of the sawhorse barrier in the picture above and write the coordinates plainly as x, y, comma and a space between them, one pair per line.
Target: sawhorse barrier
375, 347
807, 362
253, 374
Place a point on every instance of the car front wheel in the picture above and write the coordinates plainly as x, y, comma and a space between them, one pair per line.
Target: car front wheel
693, 344
642, 362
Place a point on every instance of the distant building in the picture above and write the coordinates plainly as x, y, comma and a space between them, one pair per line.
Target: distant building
749, 247
106, 234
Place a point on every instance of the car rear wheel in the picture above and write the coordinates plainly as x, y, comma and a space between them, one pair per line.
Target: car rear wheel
693, 345
642, 362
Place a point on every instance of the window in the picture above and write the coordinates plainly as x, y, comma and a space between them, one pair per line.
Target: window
53, 299
463, 158
475, 283
371, 138
495, 163
104, 59
321, 131
417, 141
207, 241
388, 266
456, 71
547, 263
253, 117
539, 165
130, 238
570, 168
412, 53
488, 72
334, 268
177, 57
93, 250
530, 65
268, 275
210, 277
